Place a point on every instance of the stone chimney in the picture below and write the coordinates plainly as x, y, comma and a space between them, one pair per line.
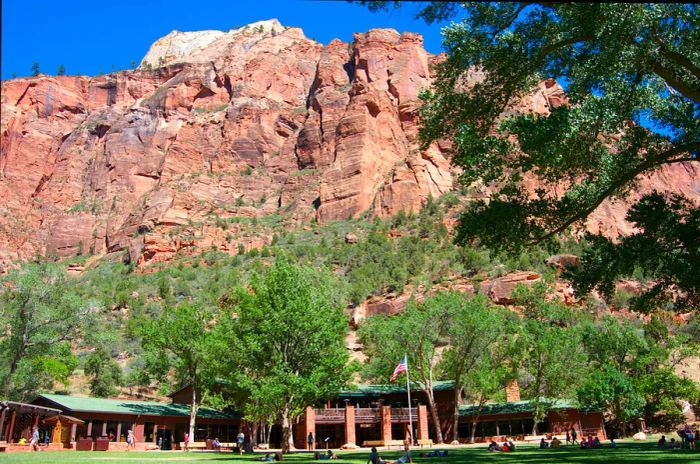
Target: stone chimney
512, 391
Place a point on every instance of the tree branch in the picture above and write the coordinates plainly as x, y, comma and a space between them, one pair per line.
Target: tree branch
661, 158
677, 57
678, 85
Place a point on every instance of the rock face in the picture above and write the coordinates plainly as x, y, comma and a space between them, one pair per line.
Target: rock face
218, 127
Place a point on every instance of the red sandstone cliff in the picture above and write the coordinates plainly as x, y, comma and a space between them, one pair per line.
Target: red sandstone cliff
247, 123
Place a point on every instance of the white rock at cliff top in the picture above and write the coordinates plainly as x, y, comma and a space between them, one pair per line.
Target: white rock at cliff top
186, 46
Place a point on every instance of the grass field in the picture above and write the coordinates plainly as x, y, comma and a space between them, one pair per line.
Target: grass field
626, 452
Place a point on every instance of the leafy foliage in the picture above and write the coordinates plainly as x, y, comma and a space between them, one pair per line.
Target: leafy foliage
40, 316
180, 343
287, 330
418, 332
105, 372
633, 88
666, 249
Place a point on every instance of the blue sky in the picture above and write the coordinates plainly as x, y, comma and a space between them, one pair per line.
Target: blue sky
89, 36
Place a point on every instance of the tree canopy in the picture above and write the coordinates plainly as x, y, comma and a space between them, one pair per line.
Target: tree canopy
632, 78
39, 315
286, 332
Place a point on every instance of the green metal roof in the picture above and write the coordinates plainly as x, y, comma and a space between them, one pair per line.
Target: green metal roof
513, 407
114, 406
379, 390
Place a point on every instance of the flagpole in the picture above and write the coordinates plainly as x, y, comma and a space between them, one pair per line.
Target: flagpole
410, 416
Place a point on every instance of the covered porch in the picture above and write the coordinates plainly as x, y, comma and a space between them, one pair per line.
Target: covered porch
16, 423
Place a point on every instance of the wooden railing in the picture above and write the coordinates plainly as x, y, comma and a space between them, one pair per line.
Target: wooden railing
330, 416
367, 415
401, 414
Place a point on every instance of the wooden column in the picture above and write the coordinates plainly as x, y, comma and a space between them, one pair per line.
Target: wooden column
2, 424
155, 434
386, 424
119, 432
11, 427
350, 427
309, 425
73, 430
423, 432
35, 422
89, 429
104, 428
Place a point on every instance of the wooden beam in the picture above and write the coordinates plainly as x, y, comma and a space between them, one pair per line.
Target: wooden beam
12, 427
2, 423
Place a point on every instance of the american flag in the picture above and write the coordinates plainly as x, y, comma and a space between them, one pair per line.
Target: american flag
402, 367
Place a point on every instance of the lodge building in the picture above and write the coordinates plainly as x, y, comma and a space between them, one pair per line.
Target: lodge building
363, 416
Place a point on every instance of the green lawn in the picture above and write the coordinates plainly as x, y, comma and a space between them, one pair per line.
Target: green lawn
627, 452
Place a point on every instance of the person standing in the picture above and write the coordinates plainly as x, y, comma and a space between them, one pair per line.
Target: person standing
187, 441
130, 440
240, 439
573, 436
310, 441
35, 438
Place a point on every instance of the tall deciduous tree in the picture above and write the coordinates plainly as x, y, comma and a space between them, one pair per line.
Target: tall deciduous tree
632, 76
179, 346
632, 373
552, 356
419, 331
39, 316
286, 332
478, 336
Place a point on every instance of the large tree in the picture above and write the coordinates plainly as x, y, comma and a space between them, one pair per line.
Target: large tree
551, 358
475, 358
419, 332
632, 373
179, 346
40, 316
286, 334
632, 78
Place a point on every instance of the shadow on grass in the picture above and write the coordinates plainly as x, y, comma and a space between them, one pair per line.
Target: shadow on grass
624, 453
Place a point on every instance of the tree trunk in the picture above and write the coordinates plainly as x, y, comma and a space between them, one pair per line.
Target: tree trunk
193, 412
287, 435
434, 414
475, 420
455, 419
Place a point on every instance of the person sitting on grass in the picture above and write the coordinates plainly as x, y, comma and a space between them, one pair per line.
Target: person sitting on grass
374, 457
215, 444
543, 443
556, 443
662, 442
511, 445
324, 456
596, 442
672, 444
493, 446
584, 444
266, 458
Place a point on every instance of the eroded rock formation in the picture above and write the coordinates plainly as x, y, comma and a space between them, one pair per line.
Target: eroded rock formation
218, 127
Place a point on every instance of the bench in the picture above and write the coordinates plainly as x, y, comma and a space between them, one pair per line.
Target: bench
194, 445
425, 442
368, 443
390, 443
